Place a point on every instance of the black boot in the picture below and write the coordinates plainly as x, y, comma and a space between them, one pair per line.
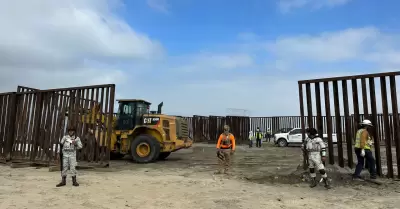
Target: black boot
326, 181
63, 182
74, 182
313, 182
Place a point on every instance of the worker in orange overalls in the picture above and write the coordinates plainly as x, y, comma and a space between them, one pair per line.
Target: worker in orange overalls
225, 149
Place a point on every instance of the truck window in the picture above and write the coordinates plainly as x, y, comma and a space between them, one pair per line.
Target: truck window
141, 109
125, 109
295, 131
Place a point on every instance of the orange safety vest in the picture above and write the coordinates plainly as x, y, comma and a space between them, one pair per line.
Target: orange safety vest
226, 141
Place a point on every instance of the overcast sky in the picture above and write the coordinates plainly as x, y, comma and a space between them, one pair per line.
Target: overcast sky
199, 57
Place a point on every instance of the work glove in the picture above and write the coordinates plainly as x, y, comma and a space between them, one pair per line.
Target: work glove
232, 152
362, 153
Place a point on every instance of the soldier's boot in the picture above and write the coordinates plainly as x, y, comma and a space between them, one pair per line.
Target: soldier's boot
326, 182
313, 182
63, 182
74, 182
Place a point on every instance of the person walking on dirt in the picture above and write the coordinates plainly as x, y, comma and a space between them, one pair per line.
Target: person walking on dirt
362, 148
225, 148
316, 150
259, 136
69, 144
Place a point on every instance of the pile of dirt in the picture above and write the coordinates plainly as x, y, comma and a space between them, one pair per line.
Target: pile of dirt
337, 176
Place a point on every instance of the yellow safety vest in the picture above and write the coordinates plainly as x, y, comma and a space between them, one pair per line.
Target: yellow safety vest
358, 140
259, 135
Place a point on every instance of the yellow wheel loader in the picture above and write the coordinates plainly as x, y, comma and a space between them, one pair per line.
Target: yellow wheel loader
146, 135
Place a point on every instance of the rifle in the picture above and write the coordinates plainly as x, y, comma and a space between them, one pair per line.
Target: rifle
61, 158
305, 155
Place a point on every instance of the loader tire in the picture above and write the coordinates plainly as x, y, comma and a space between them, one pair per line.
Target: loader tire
163, 155
145, 149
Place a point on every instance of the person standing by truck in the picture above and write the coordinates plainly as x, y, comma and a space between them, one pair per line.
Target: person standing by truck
226, 146
362, 148
259, 136
268, 135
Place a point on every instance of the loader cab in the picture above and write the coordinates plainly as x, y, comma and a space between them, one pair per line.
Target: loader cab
130, 113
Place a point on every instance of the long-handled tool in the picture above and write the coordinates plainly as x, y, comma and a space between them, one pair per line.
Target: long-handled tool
61, 158
220, 155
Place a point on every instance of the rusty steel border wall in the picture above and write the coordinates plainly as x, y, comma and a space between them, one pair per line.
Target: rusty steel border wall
208, 128
7, 116
32, 122
386, 125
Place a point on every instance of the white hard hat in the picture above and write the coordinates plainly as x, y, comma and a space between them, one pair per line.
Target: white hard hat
366, 122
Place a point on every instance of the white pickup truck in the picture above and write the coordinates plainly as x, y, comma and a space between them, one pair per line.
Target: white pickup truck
294, 136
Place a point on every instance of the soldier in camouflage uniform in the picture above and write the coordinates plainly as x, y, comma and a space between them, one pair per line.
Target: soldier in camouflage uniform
316, 150
69, 144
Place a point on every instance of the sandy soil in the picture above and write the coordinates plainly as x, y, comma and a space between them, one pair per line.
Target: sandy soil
261, 178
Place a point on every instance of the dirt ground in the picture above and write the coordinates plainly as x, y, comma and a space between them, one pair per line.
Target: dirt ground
261, 178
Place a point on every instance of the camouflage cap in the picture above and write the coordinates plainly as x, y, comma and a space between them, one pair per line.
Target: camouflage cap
226, 128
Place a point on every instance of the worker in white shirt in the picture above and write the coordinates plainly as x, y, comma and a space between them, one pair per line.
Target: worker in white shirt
268, 135
251, 137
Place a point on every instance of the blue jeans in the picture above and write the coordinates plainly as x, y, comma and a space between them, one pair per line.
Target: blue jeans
370, 160
258, 142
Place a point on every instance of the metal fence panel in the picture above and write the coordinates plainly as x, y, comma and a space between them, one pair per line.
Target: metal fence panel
7, 122
42, 117
345, 124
